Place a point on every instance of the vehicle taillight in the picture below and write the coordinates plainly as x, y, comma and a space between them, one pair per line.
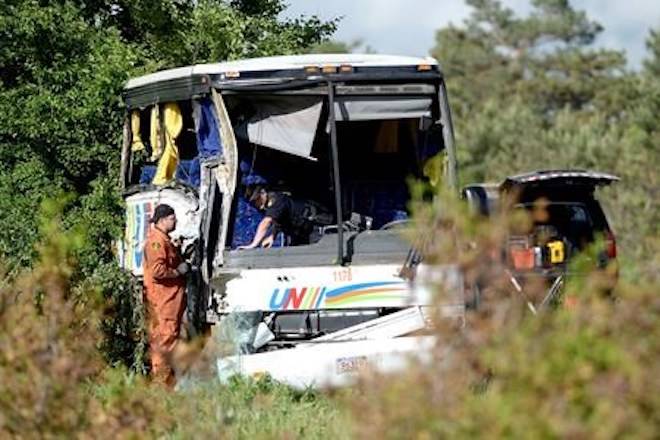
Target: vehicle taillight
610, 243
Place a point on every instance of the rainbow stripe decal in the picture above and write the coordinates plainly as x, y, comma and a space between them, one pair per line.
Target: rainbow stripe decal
137, 226
305, 298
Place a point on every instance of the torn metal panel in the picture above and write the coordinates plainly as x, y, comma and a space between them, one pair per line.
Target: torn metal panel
225, 173
206, 200
140, 207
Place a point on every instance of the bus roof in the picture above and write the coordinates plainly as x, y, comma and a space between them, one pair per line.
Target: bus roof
282, 63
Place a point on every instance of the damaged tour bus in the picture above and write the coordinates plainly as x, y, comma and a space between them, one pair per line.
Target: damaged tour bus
345, 131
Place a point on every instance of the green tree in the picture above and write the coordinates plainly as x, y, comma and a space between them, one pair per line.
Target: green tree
531, 93
64, 64
543, 58
652, 63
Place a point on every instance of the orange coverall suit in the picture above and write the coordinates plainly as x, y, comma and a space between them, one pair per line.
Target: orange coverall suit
164, 294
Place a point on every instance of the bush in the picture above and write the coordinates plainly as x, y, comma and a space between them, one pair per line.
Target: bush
56, 383
587, 369
48, 340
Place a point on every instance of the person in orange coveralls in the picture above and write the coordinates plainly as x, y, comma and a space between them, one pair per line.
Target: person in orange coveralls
164, 285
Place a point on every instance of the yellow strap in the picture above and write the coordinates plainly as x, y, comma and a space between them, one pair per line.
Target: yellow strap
154, 134
136, 139
170, 158
433, 169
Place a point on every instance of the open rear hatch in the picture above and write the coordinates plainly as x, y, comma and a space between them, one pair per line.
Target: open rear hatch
558, 180
562, 217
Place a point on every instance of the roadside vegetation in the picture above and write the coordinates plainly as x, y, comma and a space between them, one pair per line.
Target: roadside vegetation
57, 384
583, 367
527, 93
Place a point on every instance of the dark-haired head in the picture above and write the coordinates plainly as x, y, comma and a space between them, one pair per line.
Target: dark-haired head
164, 218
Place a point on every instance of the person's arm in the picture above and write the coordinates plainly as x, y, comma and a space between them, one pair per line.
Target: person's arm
268, 241
156, 257
260, 234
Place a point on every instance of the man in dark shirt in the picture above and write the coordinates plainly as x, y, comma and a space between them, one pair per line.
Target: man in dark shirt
282, 213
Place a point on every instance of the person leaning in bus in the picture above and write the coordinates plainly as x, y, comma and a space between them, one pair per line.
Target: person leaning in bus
164, 285
282, 213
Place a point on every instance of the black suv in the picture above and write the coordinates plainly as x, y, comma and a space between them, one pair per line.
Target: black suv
563, 219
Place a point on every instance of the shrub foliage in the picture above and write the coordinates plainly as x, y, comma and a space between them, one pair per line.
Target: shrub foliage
527, 92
